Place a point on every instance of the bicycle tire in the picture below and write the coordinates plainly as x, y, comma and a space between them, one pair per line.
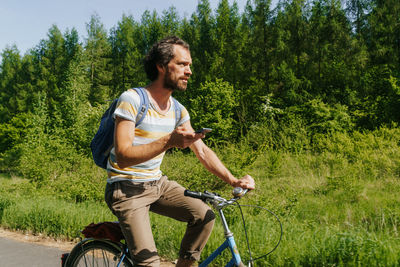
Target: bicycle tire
94, 252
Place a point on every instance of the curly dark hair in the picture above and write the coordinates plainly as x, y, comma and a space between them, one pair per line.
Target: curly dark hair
161, 53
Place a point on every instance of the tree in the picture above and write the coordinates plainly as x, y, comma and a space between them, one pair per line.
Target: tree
204, 44
227, 59
256, 60
17, 92
170, 21
72, 46
49, 60
77, 113
151, 30
357, 11
261, 42
126, 57
331, 52
384, 33
10, 66
98, 52
291, 55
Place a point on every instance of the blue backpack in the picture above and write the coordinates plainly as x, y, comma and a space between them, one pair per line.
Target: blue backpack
103, 141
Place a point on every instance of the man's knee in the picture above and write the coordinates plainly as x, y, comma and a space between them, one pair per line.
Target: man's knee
204, 217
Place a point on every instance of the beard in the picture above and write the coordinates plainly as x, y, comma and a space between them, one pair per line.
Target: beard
171, 84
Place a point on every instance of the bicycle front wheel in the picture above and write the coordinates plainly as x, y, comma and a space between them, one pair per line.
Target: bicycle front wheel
96, 253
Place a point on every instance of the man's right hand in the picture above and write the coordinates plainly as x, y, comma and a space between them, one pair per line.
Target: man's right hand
183, 137
245, 182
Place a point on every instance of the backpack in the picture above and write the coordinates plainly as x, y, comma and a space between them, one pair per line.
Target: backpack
103, 141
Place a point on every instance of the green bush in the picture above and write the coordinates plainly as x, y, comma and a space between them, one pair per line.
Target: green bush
322, 118
285, 132
213, 107
68, 173
13, 132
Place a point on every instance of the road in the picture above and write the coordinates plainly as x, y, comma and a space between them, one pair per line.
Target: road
15, 253
23, 250
19, 250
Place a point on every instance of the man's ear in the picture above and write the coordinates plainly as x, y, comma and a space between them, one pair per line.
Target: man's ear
160, 68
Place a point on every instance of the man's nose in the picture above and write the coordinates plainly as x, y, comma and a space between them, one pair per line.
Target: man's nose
188, 71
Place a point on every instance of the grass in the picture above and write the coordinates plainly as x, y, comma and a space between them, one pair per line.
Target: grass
338, 207
35, 212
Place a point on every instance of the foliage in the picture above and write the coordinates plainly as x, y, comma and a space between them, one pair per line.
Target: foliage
322, 118
213, 107
14, 132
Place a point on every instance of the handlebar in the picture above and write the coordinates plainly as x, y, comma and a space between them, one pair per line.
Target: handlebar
215, 199
203, 196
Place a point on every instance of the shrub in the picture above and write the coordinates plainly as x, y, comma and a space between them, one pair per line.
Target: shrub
322, 118
13, 133
213, 107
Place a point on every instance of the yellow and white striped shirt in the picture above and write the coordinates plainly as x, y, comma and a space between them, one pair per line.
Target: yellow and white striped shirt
153, 127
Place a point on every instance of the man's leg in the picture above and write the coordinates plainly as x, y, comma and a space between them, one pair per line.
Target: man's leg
196, 213
130, 203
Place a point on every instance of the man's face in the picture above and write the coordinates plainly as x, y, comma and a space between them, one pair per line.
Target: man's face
178, 69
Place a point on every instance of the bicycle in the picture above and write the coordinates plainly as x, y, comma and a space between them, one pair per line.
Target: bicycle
101, 251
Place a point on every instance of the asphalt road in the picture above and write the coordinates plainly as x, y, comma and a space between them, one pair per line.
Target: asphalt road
14, 253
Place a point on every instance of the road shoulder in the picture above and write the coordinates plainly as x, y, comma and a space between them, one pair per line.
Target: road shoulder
38, 239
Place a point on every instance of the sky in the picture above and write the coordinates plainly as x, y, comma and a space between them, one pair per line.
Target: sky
25, 22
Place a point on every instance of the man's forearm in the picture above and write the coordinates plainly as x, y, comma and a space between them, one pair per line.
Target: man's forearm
212, 163
128, 155
133, 155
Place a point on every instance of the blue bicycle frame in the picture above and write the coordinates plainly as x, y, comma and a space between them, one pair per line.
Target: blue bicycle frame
229, 243
126, 252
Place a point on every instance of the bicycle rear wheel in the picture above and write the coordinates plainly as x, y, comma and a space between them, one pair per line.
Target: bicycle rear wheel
96, 253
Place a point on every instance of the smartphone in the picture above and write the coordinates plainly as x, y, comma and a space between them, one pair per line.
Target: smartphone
203, 130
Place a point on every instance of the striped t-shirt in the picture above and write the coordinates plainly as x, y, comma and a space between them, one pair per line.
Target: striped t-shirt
153, 127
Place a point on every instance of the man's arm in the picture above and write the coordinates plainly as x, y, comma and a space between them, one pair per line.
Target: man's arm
212, 163
128, 155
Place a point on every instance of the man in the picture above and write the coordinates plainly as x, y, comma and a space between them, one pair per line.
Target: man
136, 184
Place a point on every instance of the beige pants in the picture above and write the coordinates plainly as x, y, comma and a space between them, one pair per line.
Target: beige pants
131, 202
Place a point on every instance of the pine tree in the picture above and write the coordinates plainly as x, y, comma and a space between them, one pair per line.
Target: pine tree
76, 109
49, 60
170, 21
380, 82
72, 46
357, 11
331, 51
151, 30
126, 57
258, 18
290, 56
204, 44
10, 66
384, 29
98, 54
227, 58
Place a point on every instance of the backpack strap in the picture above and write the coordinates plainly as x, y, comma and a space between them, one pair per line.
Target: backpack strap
177, 111
144, 105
